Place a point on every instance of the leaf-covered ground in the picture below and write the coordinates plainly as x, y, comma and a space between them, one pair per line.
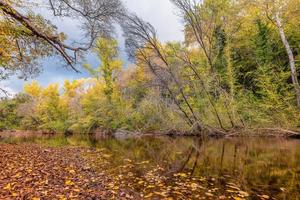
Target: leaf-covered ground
34, 172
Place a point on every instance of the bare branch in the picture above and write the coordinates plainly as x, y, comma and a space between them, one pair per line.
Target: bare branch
96, 16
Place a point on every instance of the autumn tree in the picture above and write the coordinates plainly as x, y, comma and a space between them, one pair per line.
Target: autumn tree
107, 51
26, 37
143, 44
104, 104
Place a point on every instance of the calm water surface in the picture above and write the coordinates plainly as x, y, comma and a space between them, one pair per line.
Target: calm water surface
264, 168
192, 168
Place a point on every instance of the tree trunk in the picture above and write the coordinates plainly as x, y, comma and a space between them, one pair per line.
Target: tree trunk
291, 57
230, 76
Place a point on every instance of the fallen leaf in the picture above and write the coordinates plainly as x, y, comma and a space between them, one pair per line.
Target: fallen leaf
237, 198
244, 194
7, 187
209, 194
265, 196
69, 183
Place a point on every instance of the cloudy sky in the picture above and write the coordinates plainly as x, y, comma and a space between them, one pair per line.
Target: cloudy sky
160, 13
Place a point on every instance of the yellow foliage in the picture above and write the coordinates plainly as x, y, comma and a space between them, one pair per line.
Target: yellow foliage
33, 89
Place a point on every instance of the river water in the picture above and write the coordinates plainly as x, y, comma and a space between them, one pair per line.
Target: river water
188, 168
264, 168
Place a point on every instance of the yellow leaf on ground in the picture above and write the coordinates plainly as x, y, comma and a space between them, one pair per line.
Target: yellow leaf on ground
194, 185
107, 155
244, 194
141, 182
7, 187
148, 195
181, 175
18, 175
209, 194
237, 198
69, 182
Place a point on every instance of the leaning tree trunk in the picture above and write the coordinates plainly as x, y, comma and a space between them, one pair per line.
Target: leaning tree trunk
291, 57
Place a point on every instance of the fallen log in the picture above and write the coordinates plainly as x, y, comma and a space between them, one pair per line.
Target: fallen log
278, 132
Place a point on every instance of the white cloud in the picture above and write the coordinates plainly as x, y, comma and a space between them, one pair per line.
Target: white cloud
161, 14
6, 86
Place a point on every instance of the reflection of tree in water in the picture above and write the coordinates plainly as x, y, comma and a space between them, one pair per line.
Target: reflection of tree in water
192, 155
197, 156
254, 165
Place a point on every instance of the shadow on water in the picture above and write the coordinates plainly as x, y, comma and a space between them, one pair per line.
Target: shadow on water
240, 168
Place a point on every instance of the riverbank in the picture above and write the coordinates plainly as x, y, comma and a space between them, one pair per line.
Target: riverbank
32, 172
123, 134
36, 172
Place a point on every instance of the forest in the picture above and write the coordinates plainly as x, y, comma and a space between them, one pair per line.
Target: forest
236, 69
235, 73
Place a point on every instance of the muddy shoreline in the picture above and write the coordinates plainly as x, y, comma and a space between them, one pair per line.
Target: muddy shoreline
122, 134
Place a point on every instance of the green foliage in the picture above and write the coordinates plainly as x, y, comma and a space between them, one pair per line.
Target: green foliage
231, 71
8, 115
9, 118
